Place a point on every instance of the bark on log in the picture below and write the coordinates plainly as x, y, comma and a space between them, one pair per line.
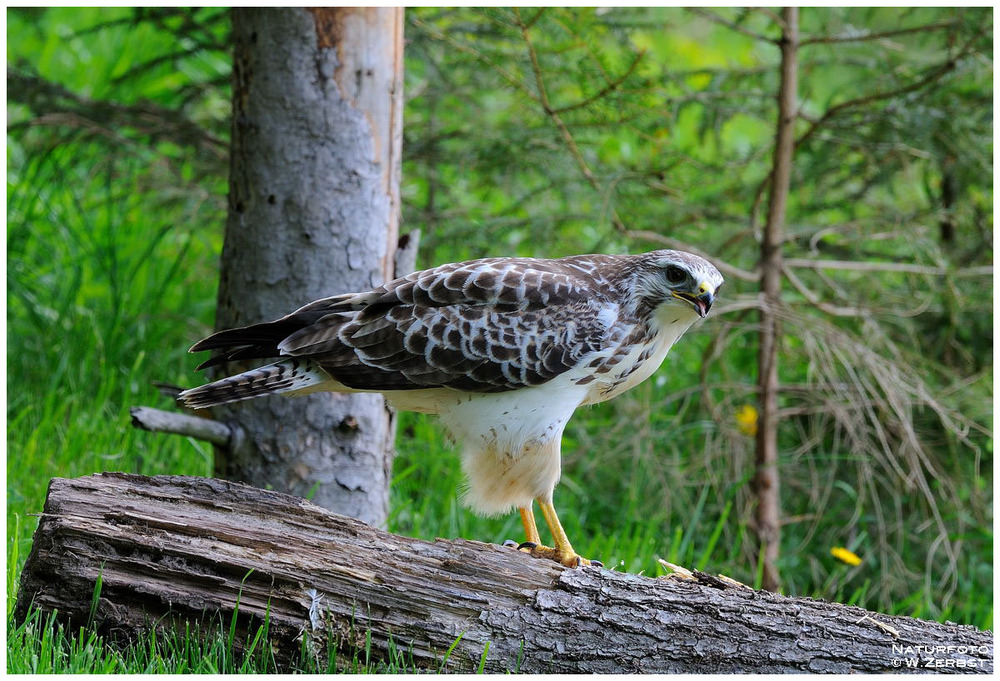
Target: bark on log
169, 549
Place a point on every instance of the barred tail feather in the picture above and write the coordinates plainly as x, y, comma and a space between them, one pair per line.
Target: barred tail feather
290, 375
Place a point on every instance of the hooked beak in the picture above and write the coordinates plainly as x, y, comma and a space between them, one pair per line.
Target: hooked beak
701, 303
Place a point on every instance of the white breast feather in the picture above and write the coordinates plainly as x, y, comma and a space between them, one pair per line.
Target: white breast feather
669, 328
509, 441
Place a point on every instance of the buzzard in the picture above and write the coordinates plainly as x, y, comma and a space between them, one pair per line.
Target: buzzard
503, 349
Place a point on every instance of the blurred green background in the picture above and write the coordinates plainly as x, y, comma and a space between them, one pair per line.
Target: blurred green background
655, 130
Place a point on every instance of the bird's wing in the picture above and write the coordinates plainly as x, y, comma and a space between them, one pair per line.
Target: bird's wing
259, 341
483, 326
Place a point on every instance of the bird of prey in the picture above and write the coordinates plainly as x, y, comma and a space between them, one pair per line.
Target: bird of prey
503, 349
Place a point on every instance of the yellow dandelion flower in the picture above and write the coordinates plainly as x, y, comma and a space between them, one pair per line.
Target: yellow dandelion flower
746, 420
845, 555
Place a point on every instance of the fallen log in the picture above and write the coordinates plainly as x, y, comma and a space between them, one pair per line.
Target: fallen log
170, 549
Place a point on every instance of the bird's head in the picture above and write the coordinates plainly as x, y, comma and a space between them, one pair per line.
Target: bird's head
675, 280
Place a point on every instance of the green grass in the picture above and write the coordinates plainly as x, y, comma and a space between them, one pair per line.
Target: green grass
40, 644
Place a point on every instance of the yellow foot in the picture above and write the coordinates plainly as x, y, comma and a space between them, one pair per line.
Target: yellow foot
569, 559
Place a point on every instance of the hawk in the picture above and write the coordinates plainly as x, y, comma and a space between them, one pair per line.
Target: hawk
503, 350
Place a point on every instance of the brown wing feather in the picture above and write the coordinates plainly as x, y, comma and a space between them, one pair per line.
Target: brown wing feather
259, 341
483, 326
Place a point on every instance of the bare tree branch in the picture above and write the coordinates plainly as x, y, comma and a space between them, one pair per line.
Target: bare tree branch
814, 299
553, 114
712, 16
936, 74
867, 266
506, 75
607, 89
159, 421
867, 35
772, 15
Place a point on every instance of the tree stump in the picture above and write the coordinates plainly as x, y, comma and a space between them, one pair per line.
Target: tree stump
170, 549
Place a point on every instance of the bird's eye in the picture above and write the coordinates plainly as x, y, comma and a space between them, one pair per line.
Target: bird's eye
675, 275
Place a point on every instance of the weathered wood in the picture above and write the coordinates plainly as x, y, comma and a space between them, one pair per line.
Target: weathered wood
159, 421
170, 549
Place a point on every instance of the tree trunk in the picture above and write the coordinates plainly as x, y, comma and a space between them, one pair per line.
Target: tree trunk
767, 515
313, 211
169, 550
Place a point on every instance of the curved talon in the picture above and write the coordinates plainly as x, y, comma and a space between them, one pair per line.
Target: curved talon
510, 544
563, 552
572, 560
576, 560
